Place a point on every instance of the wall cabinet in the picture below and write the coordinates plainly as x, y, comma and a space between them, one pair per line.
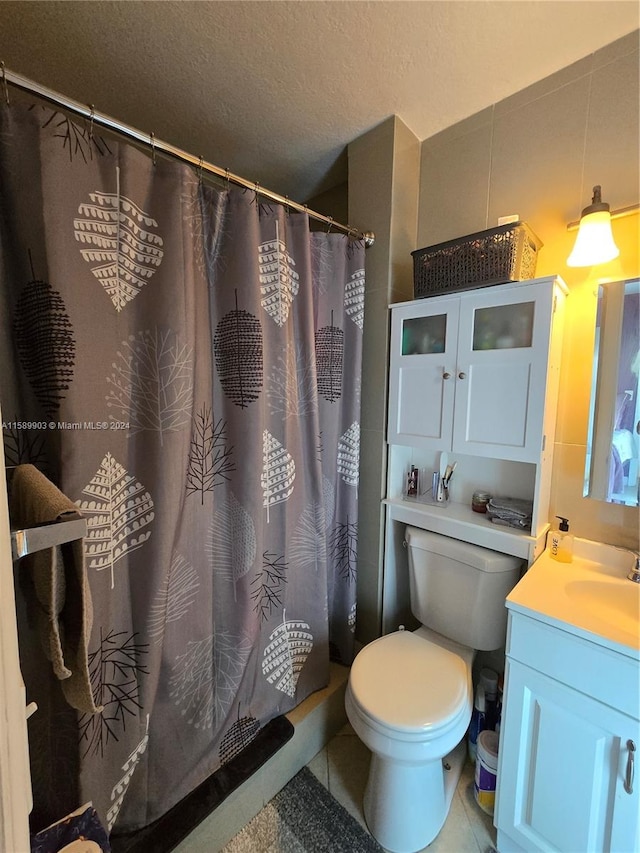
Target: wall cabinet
476, 375
469, 373
566, 748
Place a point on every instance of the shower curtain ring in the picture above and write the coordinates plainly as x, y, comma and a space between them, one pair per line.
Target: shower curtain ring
200, 170
226, 176
330, 224
256, 190
4, 82
152, 142
91, 118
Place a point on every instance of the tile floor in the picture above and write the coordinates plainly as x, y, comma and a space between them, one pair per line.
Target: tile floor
342, 767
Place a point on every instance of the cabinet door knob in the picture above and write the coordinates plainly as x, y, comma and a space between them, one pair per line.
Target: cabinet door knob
446, 375
628, 780
462, 375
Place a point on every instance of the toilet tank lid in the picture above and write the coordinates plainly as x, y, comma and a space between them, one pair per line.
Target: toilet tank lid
464, 552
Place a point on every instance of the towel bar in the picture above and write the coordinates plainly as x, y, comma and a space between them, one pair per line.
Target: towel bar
49, 535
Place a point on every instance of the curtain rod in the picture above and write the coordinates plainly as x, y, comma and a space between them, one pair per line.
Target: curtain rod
106, 121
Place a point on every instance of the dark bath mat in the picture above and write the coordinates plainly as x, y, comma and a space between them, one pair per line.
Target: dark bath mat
168, 831
303, 818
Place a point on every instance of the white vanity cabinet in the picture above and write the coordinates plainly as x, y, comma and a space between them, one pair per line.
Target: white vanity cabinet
469, 373
570, 725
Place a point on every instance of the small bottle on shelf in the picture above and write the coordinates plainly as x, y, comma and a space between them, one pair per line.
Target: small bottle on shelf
412, 482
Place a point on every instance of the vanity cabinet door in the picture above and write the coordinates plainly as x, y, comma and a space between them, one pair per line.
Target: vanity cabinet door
501, 372
424, 338
563, 763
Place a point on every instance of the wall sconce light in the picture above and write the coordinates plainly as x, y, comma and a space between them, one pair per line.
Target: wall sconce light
594, 243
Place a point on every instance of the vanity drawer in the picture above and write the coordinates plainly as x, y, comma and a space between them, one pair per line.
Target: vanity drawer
606, 675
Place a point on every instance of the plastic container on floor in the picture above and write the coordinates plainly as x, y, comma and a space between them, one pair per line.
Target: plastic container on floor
486, 770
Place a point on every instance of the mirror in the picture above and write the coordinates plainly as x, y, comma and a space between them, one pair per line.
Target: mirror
613, 438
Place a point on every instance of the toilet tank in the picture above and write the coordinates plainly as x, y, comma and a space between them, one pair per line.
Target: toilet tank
459, 589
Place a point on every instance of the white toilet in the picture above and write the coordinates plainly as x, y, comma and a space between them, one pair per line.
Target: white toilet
409, 695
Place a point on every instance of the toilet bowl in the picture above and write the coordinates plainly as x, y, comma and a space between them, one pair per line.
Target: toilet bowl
409, 699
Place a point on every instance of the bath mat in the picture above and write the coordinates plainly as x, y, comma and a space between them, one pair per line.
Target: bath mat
303, 818
166, 833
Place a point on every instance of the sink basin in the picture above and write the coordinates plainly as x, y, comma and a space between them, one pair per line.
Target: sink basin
590, 596
612, 600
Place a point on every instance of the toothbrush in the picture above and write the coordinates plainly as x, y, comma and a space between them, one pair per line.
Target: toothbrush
444, 460
449, 473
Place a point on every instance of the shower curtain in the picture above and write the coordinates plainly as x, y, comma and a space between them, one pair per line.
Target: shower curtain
184, 363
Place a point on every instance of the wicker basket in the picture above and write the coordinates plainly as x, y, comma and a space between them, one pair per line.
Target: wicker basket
498, 255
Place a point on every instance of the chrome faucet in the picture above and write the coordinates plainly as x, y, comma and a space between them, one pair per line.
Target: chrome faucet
634, 573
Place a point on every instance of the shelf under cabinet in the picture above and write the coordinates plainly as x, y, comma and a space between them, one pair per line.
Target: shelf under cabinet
460, 522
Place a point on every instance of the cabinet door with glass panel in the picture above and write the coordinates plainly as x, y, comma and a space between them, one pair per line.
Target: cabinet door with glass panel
469, 373
424, 340
501, 371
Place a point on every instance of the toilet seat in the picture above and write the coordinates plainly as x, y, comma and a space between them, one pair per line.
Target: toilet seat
409, 685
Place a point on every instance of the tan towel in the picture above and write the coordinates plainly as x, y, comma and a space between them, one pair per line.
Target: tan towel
64, 611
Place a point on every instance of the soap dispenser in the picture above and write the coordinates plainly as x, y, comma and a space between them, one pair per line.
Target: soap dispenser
562, 542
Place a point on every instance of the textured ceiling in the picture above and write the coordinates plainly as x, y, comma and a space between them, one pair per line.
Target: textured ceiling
275, 91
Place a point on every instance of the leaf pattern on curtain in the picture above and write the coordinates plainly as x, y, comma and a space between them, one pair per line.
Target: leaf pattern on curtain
231, 653
322, 265
308, 542
292, 384
120, 788
329, 361
268, 585
349, 455
240, 735
46, 344
237, 347
115, 668
76, 138
344, 549
232, 543
210, 461
206, 224
123, 249
25, 445
354, 298
278, 280
283, 659
205, 678
329, 500
119, 508
191, 685
152, 383
210, 230
175, 597
278, 472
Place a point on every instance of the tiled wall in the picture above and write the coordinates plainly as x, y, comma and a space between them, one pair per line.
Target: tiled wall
537, 154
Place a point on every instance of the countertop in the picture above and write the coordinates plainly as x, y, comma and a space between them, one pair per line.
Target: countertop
590, 597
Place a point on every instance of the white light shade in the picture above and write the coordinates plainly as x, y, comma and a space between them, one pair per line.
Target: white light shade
594, 243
